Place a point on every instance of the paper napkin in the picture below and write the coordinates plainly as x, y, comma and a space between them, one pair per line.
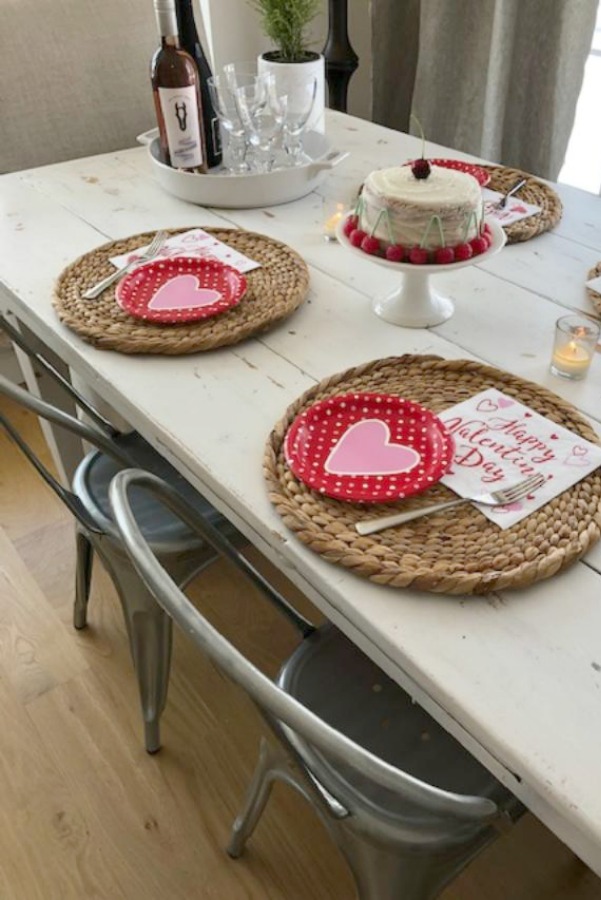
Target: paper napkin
595, 284
499, 441
195, 243
514, 210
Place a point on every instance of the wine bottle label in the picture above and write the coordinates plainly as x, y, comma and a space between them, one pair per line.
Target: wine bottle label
180, 113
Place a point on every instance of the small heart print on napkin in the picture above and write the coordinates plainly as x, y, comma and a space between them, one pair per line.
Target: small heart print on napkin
509, 508
500, 402
579, 456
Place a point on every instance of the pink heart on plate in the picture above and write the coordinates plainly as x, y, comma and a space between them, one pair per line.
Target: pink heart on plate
365, 449
504, 402
183, 292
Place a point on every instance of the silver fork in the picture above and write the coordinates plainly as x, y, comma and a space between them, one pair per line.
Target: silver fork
502, 203
495, 498
151, 251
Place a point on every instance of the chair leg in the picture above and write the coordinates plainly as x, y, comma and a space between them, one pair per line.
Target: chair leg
149, 629
83, 577
256, 801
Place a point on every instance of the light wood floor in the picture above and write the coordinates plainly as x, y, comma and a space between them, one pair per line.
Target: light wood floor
86, 813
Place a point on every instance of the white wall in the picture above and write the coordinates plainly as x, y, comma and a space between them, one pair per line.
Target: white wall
233, 34
233, 31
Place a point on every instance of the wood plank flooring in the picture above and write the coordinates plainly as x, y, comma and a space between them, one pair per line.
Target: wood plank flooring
86, 813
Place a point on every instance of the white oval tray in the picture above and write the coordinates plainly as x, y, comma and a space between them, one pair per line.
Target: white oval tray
246, 191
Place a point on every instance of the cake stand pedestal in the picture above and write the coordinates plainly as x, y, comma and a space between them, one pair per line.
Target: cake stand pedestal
415, 303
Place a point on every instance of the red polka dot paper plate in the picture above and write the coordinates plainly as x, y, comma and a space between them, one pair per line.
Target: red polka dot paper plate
480, 174
368, 448
180, 289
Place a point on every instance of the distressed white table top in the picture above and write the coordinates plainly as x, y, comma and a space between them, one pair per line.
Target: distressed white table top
516, 677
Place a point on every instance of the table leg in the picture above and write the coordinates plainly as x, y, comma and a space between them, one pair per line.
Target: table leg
65, 448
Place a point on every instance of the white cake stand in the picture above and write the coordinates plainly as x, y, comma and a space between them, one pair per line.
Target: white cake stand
415, 304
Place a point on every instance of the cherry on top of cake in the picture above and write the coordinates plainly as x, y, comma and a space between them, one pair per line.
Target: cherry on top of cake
421, 169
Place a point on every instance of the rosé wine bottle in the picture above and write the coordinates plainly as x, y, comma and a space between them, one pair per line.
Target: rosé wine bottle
176, 89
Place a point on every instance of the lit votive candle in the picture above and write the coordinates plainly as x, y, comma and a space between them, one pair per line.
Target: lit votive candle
575, 341
333, 212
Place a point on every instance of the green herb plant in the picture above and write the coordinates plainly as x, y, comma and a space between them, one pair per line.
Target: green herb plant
286, 23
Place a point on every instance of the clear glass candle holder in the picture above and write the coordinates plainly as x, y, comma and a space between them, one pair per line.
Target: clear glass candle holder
333, 210
575, 342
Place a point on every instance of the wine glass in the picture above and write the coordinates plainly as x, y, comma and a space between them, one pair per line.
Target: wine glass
262, 111
299, 107
249, 88
226, 109
241, 74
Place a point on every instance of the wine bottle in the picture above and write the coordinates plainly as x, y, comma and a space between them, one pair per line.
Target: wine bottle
190, 42
177, 99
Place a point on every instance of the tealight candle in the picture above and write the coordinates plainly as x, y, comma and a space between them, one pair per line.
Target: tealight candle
575, 342
334, 212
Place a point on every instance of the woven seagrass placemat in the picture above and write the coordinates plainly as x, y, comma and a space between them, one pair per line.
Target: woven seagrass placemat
274, 291
593, 296
534, 191
458, 551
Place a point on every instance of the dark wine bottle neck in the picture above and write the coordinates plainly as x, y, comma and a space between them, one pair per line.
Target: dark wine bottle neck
187, 26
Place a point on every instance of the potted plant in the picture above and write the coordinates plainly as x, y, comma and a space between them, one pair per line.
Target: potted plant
286, 23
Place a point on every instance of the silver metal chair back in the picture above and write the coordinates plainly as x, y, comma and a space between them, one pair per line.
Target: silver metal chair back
180, 550
411, 853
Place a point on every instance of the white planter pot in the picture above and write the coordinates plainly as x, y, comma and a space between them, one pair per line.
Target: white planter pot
296, 73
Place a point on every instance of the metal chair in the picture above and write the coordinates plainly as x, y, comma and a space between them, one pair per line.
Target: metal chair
405, 803
180, 550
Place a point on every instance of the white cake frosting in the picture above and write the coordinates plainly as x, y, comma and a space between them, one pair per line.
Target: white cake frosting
411, 203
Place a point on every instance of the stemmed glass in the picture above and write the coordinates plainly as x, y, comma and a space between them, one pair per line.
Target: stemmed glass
262, 111
224, 104
299, 106
258, 112
241, 74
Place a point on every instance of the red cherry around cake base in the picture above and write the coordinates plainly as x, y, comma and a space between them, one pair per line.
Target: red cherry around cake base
417, 256
357, 237
444, 256
395, 253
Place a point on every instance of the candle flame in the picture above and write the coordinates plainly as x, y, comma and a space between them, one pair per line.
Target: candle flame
335, 218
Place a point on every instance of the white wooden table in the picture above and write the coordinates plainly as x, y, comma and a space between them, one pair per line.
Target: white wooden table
515, 677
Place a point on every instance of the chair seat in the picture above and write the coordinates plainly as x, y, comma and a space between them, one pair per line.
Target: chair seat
371, 709
159, 526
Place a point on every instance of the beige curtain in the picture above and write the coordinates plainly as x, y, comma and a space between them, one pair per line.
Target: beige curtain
496, 78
